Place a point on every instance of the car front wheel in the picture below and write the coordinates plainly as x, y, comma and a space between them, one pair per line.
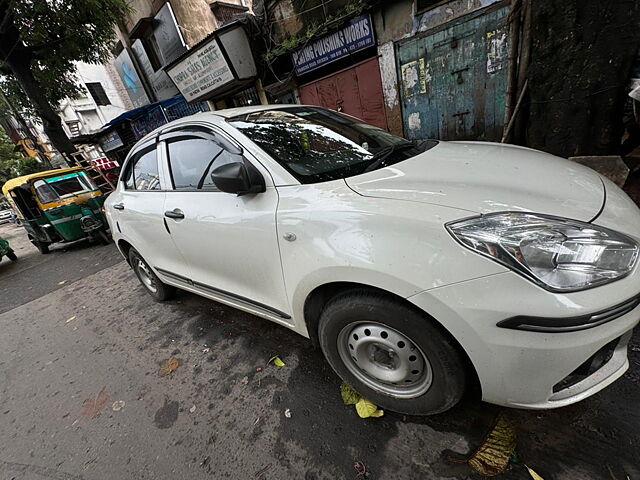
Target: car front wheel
153, 285
391, 354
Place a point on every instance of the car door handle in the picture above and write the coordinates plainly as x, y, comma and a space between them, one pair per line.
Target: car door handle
175, 213
118, 206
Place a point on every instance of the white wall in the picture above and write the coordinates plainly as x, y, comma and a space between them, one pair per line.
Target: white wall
88, 73
92, 117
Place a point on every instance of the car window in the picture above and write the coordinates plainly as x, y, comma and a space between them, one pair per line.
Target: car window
192, 159
144, 174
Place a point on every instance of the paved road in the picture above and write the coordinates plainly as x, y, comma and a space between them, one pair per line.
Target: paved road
35, 275
69, 352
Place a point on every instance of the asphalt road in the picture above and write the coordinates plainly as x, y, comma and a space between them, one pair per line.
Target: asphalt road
71, 353
35, 275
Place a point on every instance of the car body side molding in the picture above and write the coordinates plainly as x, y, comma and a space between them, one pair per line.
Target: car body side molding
217, 291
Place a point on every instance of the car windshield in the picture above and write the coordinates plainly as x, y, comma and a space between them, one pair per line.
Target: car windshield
51, 189
316, 144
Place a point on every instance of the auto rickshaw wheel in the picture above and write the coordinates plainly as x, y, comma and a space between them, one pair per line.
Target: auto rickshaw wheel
42, 247
105, 238
11, 255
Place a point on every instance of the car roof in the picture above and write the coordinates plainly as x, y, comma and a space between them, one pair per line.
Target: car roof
233, 112
214, 117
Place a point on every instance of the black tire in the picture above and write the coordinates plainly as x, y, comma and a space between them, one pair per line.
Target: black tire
104, 238
11, 255
152, 284
42, 247
447, 367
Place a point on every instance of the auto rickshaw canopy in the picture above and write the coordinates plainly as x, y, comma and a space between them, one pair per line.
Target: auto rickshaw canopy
19, 181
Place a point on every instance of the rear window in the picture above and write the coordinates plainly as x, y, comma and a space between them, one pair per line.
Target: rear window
143, 174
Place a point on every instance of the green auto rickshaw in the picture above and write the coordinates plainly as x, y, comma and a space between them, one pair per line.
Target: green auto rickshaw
6, 250
58, 206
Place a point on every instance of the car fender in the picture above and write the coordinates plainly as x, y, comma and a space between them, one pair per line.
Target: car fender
328, 233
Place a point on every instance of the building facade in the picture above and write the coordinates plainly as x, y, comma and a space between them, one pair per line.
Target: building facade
102, 98
425, 69
156, 35
158, 32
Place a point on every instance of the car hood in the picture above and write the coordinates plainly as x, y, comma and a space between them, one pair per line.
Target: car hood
484, 177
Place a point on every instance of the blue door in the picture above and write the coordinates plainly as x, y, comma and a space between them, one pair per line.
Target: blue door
453, 79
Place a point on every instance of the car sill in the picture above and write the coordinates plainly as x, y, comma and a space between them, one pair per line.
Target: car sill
231, 298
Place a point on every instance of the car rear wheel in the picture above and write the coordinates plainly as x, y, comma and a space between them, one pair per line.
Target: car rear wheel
11, 255
391, 354
152, 284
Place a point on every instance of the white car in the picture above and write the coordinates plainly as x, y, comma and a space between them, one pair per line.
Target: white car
6, 216
419, 268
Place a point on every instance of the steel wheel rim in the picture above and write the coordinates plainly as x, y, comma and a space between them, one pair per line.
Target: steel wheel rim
384, 359
146, 277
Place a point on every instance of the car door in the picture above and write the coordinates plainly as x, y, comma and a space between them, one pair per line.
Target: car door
229, 241
138, 211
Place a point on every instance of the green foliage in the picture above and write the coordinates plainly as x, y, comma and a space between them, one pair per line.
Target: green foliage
55, 91
292, 42
13, 164
53, 34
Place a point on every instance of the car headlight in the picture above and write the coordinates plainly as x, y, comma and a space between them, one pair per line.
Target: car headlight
557, 253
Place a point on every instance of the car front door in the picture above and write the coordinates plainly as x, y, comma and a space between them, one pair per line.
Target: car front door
138, 211
229, 241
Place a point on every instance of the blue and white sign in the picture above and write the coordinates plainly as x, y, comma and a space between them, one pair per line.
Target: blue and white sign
111, 141
357, 35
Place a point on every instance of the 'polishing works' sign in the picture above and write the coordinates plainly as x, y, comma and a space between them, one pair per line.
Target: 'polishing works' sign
357, 35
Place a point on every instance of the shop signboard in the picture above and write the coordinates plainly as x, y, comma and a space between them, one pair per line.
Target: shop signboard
167, 34
159, 82
130, 79
355, 36
148, 122
221, 63
202, 71
111, 141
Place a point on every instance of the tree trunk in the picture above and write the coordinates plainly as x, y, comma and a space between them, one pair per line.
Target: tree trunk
582, 52
50, 119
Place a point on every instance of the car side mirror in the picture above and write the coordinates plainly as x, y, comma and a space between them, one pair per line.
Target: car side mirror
239, 178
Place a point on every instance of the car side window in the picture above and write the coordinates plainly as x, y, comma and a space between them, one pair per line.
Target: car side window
191, 160
143, 175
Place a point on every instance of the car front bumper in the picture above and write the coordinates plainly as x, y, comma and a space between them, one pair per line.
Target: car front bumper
533, 369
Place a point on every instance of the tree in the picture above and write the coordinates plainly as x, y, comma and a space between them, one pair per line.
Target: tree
39, 42
12, 163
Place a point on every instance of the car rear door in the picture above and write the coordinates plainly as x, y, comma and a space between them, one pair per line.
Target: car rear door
229, 241
138, 210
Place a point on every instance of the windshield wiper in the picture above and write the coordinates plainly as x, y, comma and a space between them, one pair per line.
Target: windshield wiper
379, 158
